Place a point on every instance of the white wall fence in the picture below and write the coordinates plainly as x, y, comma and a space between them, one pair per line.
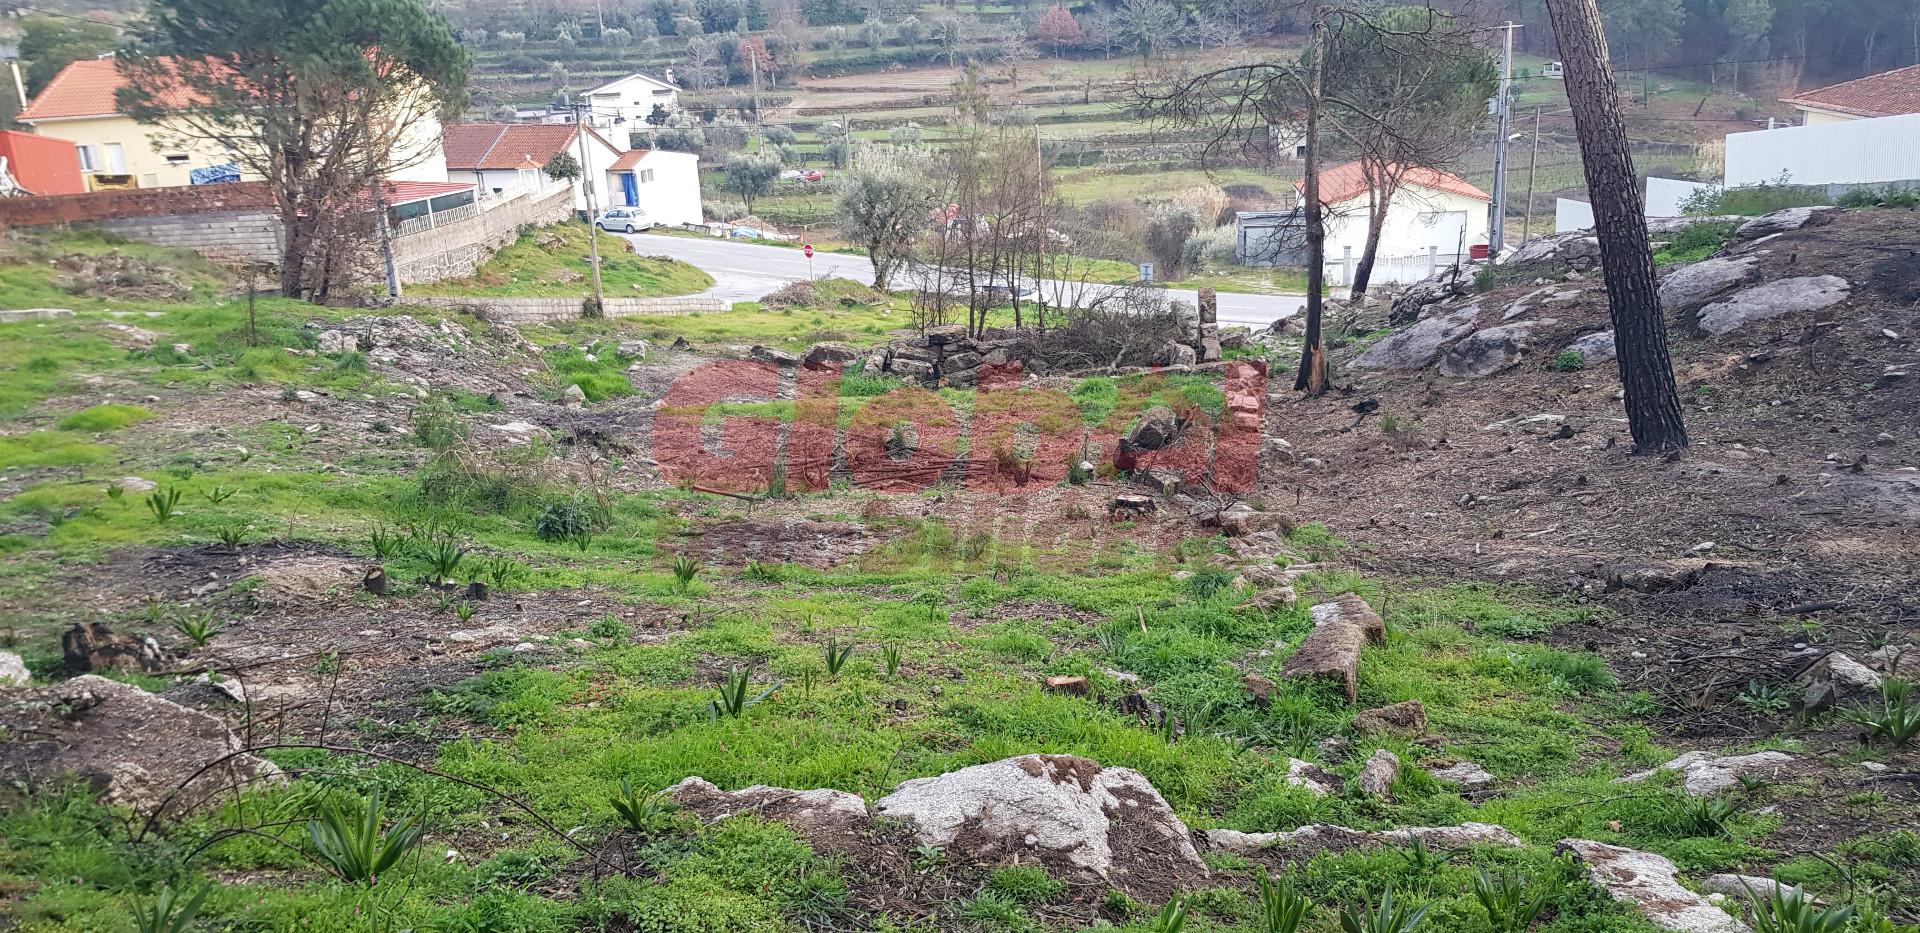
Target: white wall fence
1391, 270
1856, 153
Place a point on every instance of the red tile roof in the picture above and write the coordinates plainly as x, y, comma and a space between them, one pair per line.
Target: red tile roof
628, 160
86, 88
406, 192
475, 146
1887, 94
1346, 182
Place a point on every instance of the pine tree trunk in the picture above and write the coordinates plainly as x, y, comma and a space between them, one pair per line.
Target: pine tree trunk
1376, 225
1639, 333
1312, 377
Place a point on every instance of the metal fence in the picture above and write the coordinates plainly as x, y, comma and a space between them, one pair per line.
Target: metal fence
432, 219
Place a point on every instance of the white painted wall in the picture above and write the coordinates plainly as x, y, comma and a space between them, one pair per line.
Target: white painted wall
1419, 218
1665, 196
1569, 215
667, 185
1884, 149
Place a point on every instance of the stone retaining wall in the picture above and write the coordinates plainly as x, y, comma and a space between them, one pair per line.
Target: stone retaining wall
455, 250
229, 236
541, 310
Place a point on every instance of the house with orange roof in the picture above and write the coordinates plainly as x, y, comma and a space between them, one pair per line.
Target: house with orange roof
1434, 218
666, 185
506, 158
1887, 94
116, 151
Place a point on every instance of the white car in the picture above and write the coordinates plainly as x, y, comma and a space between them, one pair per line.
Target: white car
624, 219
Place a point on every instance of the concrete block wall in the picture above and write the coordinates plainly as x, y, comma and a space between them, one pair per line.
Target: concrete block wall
233, 236
543, 310
41, 210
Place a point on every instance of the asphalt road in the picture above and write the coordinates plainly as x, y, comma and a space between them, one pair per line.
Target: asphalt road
747, 271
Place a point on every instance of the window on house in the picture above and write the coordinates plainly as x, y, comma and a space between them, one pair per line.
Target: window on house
646, 175
116, 159
177, 158
89, 158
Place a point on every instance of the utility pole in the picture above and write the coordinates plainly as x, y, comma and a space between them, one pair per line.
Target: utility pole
1497, 219
593, 232
386, 240
753, 58
1533, 165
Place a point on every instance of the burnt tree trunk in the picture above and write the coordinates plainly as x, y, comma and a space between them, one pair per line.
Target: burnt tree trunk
1378, 205
1312, 377
1639, 333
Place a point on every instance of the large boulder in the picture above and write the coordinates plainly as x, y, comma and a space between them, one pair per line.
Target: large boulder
1068, 811
830, 819
1707, 774
131, 747
13, 671
1597, 347
1784, 296
1784, 221
825, 354
1649, 882
1489, 351
1834, 679
1689, 287
1576, 251
1408, 304
1157, 429
774, 355
1418, 345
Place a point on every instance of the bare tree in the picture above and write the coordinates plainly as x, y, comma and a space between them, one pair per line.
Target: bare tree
1626, 258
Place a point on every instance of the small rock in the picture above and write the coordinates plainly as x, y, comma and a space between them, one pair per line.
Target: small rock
1377, 775
574, 395
1708, 774
1311, 777
1470, 776
1261, 687
1744, 886
13, 670
1157, 428
1650, 883
1406, 719
1836, 678
1076, 686
774, 355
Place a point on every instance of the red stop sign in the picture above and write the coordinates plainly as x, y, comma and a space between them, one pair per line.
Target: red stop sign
809, 250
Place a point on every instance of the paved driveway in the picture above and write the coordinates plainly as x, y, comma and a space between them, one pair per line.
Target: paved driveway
748, 271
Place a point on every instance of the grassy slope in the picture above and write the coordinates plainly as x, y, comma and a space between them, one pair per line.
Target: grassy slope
552, 262
958, 604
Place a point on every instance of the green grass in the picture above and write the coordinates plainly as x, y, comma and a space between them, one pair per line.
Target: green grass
47, 449
103, 418
553, 262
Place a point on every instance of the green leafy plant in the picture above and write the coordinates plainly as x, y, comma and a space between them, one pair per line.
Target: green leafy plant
1763, 697
1386, 917
1788, 909
1422, 861
218, 494
444, 556
1569, 361
1282, 907
607, 626
644, 811
1512, 902
736, 696
170, 911
164, 504
685, 568
836, 654
232, 536
197, 627
464, 611
563, 521
500, 571
1898, 718
352, 840
1705, 816
1205, 583
384, 542
764, 572
444, 603
1173, 917
581, 540
116, 492
890, 654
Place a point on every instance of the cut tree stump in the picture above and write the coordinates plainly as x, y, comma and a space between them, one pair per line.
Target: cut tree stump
1332, 650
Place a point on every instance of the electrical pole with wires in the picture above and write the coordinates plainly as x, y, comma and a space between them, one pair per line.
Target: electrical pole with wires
1533, 166
1503, 111
593, 231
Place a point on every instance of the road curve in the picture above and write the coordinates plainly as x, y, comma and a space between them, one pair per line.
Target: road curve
748, 271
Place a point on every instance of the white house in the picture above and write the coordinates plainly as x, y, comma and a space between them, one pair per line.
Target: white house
622, 106
1435, 218
664, 184
505, 157
1887, 94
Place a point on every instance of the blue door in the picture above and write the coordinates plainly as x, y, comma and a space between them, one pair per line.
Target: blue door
631, 187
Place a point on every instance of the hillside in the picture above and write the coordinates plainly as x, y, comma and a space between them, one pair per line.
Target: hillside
425, 584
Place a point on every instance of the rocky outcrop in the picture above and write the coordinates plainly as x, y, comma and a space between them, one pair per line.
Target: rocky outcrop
1707, 774
1785, 296
1332, 650
1409, 304
1489, 351
1419, 345
1689, 287
131, 747
1316, 836
1649, 882
774, 355
1577, 251
833, 819
1068, 812
1784, 221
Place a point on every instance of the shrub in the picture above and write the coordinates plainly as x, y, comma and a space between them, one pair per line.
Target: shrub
102, 418
351, 840
1695, 242
1569, 361
562, 521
